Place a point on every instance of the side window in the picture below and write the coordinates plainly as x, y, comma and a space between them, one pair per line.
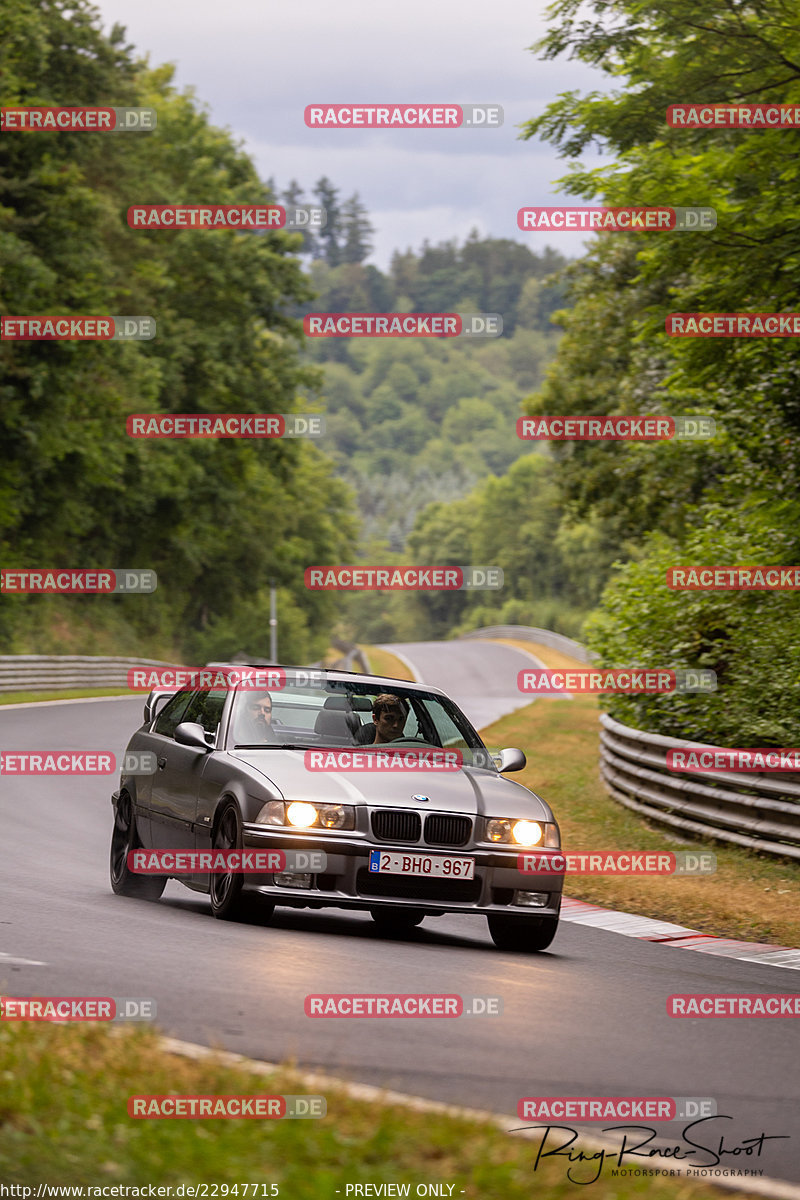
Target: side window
206, 708
171, 714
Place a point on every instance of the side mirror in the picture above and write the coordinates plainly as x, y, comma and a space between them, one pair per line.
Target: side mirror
191, 733
511, 759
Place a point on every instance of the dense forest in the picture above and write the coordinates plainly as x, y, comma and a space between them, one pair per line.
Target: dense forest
409, 423
217, 520
420, 461
417, 420
736, 499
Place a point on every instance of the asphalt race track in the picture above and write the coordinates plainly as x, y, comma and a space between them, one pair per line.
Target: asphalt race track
586, 1018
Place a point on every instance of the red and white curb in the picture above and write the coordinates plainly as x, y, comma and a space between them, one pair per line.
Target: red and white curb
651, 930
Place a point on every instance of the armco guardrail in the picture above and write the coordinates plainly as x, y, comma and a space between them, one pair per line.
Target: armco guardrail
350, 655
545, 637
759, 810
59, 672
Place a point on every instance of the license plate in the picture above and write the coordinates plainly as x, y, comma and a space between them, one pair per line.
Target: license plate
436, 865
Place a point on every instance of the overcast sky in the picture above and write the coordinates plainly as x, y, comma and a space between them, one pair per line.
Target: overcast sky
258, 63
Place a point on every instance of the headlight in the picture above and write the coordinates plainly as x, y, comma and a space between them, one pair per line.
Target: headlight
300, 814
335, 816
498, 831
273, 813
517, 833
527, 833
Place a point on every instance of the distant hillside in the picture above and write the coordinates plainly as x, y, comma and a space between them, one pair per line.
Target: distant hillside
416, 420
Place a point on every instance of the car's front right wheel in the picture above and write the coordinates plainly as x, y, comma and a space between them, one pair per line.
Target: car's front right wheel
524, 935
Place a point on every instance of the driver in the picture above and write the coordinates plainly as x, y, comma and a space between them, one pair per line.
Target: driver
254, 722
389, 714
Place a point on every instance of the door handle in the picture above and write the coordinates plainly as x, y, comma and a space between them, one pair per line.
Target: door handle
162, 762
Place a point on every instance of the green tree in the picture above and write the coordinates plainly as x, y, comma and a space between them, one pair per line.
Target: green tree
669, 501
291, 198
356, 232
329, 236
216, 519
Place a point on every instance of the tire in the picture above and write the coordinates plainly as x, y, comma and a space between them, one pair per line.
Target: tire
125, 838
228, 901
524, 935
396, 920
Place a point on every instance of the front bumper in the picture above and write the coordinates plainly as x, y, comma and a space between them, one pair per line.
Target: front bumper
347, 882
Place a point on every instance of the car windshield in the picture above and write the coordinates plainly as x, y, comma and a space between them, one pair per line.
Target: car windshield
339, 714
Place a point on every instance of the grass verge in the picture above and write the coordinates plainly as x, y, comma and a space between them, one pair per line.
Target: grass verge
750, 897
63, 1120
383, 662
66, 694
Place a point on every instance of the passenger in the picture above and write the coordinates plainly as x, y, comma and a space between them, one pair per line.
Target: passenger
389, 715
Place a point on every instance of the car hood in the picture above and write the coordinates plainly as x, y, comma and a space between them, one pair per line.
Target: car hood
468, 790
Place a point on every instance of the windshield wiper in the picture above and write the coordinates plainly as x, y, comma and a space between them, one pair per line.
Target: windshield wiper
269, 746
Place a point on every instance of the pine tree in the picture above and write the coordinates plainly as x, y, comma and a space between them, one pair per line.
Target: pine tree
328, 243
291, 198
356, 231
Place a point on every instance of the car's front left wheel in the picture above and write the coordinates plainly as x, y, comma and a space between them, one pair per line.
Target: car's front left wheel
125, 838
